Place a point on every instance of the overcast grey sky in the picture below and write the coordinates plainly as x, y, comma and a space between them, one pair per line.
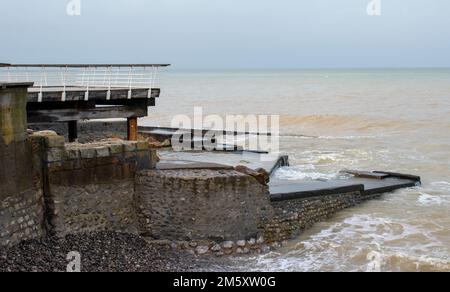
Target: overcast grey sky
228, 33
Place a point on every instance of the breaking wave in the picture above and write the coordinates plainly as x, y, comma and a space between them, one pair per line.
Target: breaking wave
442, 185
304, 172
429, 200
408, 263
331, 250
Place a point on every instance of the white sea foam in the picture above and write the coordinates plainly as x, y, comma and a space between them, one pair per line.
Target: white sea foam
381, 247
429, 200
303, 172
441, 185
405, 262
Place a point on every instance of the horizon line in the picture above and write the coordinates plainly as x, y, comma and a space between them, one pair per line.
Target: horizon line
175, 68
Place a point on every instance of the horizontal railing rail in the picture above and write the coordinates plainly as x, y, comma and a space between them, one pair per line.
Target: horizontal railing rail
84, 77
81, 65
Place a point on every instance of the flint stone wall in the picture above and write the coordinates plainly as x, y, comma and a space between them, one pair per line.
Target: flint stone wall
294, 216
21, 217
217, 206
200, 204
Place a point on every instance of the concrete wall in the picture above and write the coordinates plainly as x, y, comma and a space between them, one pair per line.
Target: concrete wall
201, 204
21, 200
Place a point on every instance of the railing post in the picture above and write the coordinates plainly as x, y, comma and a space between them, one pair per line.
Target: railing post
130, 78
41, 85
86, 94
151, 85
108, 95
45, 77
64, 80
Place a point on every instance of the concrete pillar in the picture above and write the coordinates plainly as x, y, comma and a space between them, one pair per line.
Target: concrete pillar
15, 154
21, 203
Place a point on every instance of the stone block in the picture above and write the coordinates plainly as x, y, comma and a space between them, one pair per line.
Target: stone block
142, 145
73, 154
115, 148
46, 133
102, 152
129, 146
54, 141
55, 155
87, 153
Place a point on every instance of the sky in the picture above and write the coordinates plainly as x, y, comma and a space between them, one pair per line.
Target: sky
228, 34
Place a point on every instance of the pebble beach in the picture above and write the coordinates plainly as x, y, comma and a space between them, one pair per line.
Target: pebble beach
100, 252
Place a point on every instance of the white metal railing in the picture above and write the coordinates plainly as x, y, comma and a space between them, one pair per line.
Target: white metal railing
84, 77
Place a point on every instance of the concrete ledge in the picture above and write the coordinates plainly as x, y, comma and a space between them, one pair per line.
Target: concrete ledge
367, 183
310, 191
401, 175
180, 164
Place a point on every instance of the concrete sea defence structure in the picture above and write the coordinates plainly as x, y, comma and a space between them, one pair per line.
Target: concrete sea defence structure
21, 197
207, 203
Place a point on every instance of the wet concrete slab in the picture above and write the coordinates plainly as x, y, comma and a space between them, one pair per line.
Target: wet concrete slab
182, 164
282, 190
252, 160
167, 132
366, 174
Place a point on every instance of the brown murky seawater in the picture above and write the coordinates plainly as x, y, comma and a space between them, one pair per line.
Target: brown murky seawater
396, 120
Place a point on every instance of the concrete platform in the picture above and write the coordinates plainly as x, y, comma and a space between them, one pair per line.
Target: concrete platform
183, 164
381, 182
224, 159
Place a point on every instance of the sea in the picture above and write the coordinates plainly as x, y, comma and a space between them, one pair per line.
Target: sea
333, 119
